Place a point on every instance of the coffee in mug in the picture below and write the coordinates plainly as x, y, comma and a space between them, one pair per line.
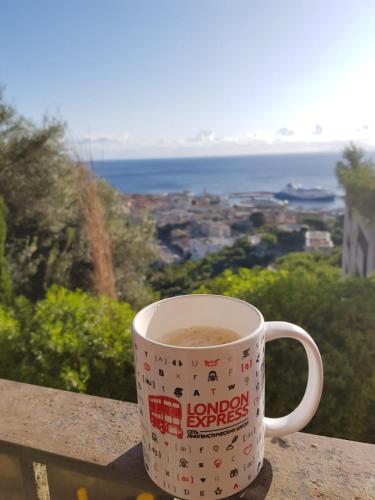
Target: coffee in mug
199, 336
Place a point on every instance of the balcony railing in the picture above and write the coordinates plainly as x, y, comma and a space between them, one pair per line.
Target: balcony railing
60, 445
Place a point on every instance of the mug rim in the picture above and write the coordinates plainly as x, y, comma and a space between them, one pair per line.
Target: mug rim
251, 335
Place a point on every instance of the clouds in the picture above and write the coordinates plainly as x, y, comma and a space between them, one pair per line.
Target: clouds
318, 130
203, 137
208, 142
285, 132
104, 140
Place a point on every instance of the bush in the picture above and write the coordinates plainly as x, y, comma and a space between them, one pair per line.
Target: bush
340, 316
186, 277
315, 223
5, 280
258, 219
11, 352
49, 240
269, 239
70, 340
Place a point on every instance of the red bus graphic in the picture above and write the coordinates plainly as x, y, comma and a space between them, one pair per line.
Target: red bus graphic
165, 415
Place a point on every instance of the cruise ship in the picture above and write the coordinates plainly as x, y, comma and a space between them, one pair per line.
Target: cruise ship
296, 192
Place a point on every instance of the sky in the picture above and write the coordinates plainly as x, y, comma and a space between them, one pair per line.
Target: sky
165, 78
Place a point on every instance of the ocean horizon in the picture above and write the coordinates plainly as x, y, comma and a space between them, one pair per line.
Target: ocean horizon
221, 174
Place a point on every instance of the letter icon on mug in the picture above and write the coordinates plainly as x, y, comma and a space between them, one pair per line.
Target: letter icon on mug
199, 363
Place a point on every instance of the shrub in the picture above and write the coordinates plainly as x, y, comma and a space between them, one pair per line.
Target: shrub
340, 315
70, 340
269, 239
11, 352
5, 280
258, 219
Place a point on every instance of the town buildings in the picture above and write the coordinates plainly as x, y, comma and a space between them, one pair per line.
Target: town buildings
318, 241
191, 226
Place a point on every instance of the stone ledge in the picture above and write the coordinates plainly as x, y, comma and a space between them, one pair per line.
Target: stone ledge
100, 437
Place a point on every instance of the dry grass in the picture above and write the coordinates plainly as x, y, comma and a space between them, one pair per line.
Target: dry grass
103, 280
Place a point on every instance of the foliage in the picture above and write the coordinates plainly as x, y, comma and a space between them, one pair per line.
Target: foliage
5, 280
69, 340
317, 262
334, 225
339, 314
315, 223
11, 350
47, 239
293, 240
186, 277
337, 230
258, 219
357, 176
269, 239
133, 248
39, 186
102, 278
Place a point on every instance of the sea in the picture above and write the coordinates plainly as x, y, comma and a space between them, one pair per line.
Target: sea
225, 174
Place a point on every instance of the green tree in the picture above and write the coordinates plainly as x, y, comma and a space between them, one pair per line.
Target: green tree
339, 314
185, 278
48, 241
258, 219
11, 346
357, 177
269, 239
40, 188
133, 244
5, 281
315, 223
338, 230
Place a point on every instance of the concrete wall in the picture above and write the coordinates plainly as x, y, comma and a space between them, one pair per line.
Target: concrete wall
358, 245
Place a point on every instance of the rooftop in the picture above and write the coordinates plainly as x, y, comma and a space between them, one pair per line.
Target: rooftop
318, 239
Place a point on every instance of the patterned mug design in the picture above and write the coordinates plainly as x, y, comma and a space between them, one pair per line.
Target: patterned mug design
199, 426
202, 409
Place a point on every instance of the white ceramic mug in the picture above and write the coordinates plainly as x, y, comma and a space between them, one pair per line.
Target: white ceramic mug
202, 408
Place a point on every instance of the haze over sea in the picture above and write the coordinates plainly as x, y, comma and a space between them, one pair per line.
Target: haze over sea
221, 174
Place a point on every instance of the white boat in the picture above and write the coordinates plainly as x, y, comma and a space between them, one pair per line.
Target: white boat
296, 192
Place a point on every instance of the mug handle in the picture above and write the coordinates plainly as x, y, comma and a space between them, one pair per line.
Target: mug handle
304, 412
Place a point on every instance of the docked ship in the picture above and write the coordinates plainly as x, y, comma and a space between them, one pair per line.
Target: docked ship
295, 192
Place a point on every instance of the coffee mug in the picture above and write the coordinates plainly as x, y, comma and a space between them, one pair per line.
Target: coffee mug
202, 408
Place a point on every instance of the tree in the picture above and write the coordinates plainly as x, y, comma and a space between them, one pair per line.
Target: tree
49, 239
11, 349
338, 230
5, 281
258, 219
133, 247
269, 239
357, 177
315, 223
339, 314
45, 241
186, 277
